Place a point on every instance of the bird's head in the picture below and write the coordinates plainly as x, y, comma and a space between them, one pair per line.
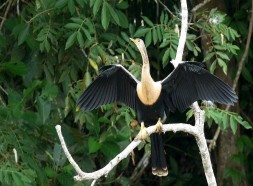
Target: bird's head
141, 46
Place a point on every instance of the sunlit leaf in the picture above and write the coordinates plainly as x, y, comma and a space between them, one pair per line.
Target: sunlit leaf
233, 124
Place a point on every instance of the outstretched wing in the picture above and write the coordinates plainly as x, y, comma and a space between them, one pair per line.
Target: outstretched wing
113, 84
190, 82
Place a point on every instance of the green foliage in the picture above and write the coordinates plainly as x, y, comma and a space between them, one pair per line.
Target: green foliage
224, 118
220, 39
52, 50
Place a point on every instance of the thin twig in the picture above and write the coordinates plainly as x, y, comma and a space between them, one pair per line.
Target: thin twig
18, 9
5, 14
4, 4
238, 74
3, 90
43, 12
166, 8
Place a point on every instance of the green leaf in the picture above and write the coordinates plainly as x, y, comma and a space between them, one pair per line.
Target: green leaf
80, 38
93, 64
123, 20
72, 26
223, 55
71, 6
87, 79
246, 125
224, 121
233, 124
141, 32
76, 20
96, 6
15, 67
155, 36
44, 108
189, 114
147, 20
87, 34
27, 92
110, 149
105, 16
223, 65
113, 13
71, 40
217, 116
162, 17
213, 67
23, 34
93, 145
122, 5
47, 45
220, 47
50, 172
165, 57
148, 38
159, 33
61, 3
209, 56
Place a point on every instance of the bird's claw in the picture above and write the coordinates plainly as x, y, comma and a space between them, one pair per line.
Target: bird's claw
143, 134
159, 126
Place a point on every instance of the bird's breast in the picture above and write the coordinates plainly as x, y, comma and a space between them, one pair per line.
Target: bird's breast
149, 93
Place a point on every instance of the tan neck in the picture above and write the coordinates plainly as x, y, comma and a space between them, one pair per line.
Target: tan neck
148, 91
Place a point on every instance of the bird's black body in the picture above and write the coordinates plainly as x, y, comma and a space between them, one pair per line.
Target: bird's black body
150, 113
188, 83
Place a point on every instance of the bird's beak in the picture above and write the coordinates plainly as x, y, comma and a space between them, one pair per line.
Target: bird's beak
134, 41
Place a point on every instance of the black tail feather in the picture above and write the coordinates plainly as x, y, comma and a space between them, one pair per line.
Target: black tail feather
159, 166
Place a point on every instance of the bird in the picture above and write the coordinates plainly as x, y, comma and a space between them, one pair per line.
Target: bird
152, 100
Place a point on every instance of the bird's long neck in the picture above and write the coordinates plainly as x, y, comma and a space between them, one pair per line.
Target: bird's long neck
146, 78
148, 91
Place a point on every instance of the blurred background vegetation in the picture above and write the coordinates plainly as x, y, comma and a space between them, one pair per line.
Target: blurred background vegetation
51, 50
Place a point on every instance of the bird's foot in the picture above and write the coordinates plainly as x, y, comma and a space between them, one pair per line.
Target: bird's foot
143, 134
159, 126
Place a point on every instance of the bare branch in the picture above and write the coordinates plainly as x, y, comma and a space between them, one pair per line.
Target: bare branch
183, 33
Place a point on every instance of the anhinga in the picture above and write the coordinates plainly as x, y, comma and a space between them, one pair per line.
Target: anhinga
153, 101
